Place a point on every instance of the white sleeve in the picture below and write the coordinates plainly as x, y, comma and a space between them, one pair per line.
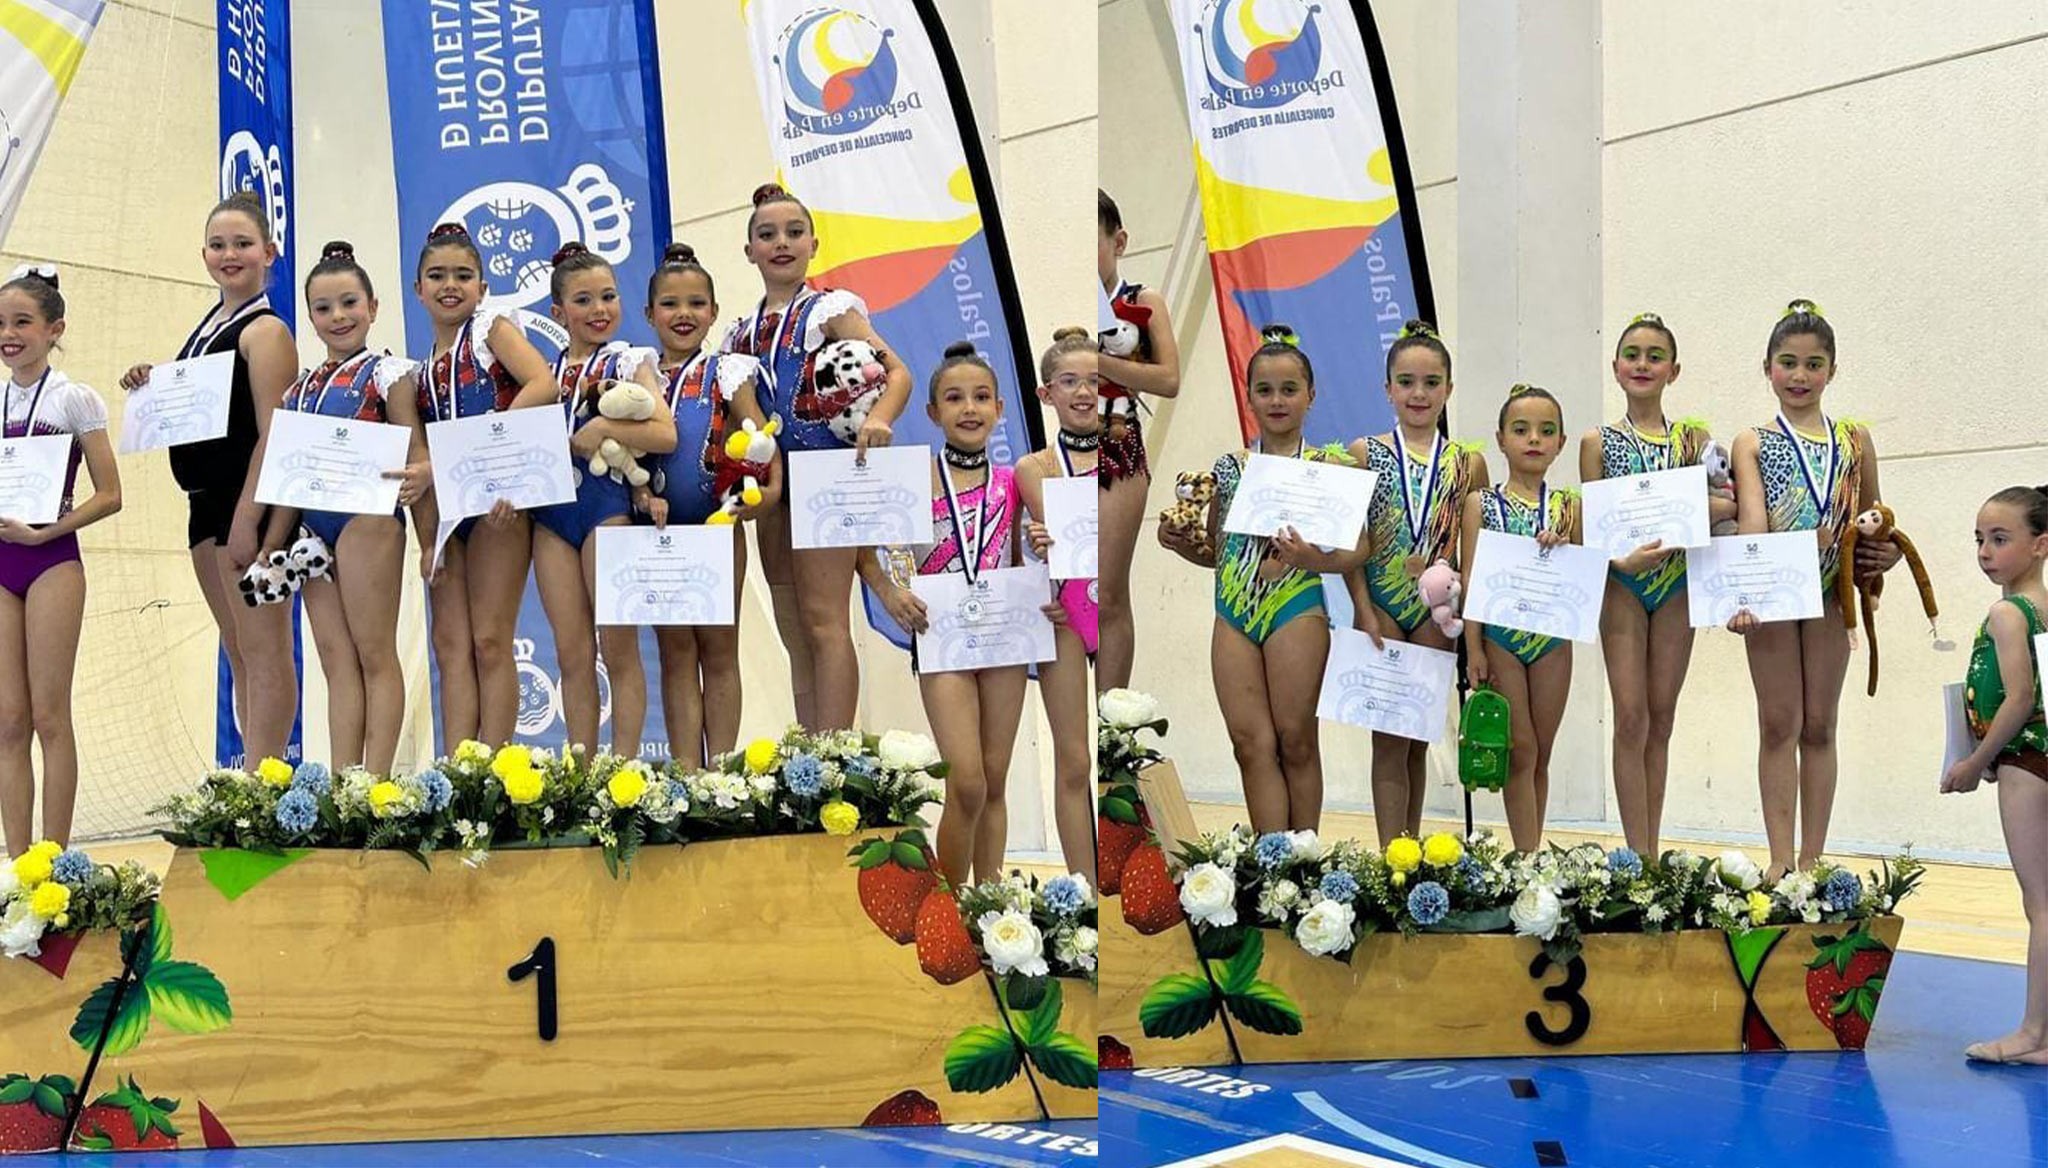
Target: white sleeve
84, 410
830, 306
635, 357
392, 370
480, 333
734, 371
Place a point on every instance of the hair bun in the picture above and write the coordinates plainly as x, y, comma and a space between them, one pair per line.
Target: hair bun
448, 231
1070, 332
1279, 334
769, 193
960, 349
679, 253
1802, 307
1417, 328
572, 248
338, 249
1519, 388
1649, 318
47, 273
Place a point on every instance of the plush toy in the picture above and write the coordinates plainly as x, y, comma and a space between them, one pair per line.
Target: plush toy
622, 401
309, 558
748, 454
1188, 514
1878, 523
1122, 338
1440, 590
847, 379
1720, 480
270, 580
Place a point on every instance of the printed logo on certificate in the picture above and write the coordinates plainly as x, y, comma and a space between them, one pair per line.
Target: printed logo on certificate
996, 620
1775, 576
32, 474
837, 503
1403, 690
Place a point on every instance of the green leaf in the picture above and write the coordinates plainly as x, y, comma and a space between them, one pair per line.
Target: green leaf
188, 997
1265, 1008
159, 934
874, 855
48, 1100
17, 1091
92, 1014
1237, 974
1042, 1021
1215, 943
909, 856
1065, 1060
1177, 1005
982, 1058
129, 1025
1117, 810
1023, 993
62, 1083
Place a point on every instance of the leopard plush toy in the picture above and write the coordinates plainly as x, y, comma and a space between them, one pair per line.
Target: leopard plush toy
1188, 514
1878, 523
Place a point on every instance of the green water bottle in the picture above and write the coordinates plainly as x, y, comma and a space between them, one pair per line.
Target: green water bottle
1485, 734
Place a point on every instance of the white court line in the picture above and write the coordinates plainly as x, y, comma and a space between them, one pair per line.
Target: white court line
1326, 1111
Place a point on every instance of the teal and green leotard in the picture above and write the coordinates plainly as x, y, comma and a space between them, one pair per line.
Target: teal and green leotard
1251, 599
1504, 511
1386, 573
1624, 452
1984, 686
1790, 502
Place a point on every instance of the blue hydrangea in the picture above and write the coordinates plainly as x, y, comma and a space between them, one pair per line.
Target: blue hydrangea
1428, 903
1273, 850
1841, 890
311, 778
860, 766
71, 867
676, 792
1063, 896
804, 776
1625, 862
1470, 875
1341, 887
297, 812
436, 787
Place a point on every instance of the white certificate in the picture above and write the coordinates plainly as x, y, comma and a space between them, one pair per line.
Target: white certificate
521, 456
1404, 690
319, 463
1070, 509
1324, 503
182, 402
32, 473
673, 576
1624, 514
1957, 741
1517, 584
834, 503
997, 620
1776, 577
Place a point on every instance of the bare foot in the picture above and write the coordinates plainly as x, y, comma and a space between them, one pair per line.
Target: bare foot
2017, 1047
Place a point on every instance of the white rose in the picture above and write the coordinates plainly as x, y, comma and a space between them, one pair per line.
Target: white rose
1209, 895
902, 750
1306, 845
21, 931
9, 882
1013, 942
1326, 929
1085, 940
1739, 871
1127, 708
1537, 913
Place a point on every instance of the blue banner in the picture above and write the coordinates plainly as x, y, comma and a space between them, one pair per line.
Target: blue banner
254, 39
532, 125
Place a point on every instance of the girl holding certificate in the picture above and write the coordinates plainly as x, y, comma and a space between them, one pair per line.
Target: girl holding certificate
586, 302
1271, 636
1803, 472
1417, 502
2004, 706
1152, 367
1068, 383
227, 529
354, 607
481, 363
785, 331
42, 578
700, 664
1533, 672
1645, 633
973, 713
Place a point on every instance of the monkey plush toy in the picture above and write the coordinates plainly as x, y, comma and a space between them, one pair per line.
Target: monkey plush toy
1878, 523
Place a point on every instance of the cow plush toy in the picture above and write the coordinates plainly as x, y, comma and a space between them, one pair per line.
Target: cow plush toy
847, 379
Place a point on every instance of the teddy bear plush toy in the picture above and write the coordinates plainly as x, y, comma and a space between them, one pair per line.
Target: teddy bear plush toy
847, 379
1878, 523
1720, 480
1440, 590
1188, 514
1121, 339
748, 454
622, 401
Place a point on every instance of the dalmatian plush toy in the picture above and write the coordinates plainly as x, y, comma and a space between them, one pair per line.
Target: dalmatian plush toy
270, 580
847, 379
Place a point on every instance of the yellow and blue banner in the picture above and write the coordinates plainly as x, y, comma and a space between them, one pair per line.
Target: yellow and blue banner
41, 44
1307, 200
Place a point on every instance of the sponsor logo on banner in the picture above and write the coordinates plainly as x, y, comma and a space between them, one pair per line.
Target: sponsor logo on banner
839, 74
518, 226
1259, 65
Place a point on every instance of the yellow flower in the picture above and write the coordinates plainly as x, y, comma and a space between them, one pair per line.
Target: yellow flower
471, 751
626, 787
1398, 879
761, 755
31, 868
1759, 906
839, 818
522, 786
385, 797
50, 900
275, 772
1404, 855
1442, 850
47, 849
511, 759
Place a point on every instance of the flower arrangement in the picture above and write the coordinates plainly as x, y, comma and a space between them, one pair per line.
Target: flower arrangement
1329, 896
477, 799
1119, 715
1029, 931
50, 889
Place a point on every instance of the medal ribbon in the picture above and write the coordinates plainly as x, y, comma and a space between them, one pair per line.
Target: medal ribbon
970, 554
202, 338
1415, 515
1823, 499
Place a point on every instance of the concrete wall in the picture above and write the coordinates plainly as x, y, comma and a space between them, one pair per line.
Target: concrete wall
1879, 157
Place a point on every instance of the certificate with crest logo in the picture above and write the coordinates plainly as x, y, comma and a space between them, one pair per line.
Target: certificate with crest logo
521, 456
1553, 592
835, 502
181, 403
318, 463
1671, 505
1326, 504
1070, 513
1403, 690
1775, 576
664, 576
996, 620
32, 473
